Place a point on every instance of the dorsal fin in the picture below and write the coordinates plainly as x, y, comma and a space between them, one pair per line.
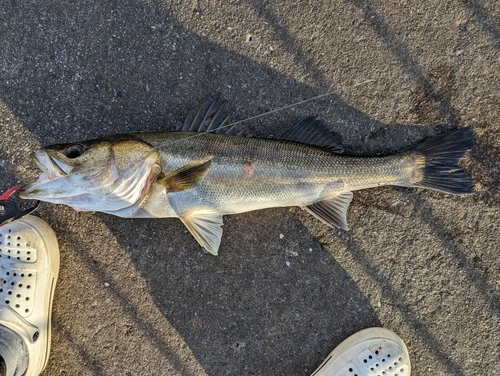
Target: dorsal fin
212, 116
313, 131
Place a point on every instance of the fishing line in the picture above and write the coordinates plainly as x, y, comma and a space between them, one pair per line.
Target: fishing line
263, 114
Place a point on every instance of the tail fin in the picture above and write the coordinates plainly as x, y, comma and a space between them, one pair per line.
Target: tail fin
442, 154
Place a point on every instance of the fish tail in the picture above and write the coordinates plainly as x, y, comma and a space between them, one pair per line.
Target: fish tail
440, 170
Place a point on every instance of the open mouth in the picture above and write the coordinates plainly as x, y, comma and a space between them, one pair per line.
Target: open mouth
50, 180
51, 167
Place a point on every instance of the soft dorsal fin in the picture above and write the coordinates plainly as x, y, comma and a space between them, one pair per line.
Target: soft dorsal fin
187, 176
333, 210
205, 225
212, 116
313, 131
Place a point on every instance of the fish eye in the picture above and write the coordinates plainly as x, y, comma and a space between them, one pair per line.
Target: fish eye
74, 151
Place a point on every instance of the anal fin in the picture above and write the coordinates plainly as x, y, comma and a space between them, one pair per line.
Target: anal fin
205, 226
333, 210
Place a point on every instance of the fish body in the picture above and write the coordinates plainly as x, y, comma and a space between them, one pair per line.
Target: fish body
201, 176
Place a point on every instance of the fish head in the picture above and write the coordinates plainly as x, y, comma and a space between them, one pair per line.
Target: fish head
98, 175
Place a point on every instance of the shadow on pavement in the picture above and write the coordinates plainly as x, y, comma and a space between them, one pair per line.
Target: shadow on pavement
266, 305
245, 312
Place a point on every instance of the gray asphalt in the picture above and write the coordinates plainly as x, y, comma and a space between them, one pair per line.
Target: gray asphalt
139, 297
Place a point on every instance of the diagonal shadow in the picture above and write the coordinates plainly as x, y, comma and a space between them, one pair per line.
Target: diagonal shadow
289, 43
486, 20
60, 333
411, 315
85, 257
410, 65
92, 70
447, 239
247, 306
238, 313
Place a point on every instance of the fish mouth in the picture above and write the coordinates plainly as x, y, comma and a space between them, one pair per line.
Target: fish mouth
49, 165
52, 170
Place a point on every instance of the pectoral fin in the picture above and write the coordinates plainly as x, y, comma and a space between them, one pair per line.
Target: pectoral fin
187, 176
205, 226
333, 210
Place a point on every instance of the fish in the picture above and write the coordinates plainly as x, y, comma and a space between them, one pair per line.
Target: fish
203, 171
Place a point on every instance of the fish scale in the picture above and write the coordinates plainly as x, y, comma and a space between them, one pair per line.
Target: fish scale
198, 177
285, 173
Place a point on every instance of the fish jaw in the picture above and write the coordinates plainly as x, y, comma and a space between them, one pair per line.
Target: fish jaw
105, 189
52, 181
52, 167
56, 184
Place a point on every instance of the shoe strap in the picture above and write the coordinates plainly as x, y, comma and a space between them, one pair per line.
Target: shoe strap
13, 320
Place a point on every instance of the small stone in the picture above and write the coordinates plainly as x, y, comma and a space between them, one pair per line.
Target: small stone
282, 236
106, 284
287, 263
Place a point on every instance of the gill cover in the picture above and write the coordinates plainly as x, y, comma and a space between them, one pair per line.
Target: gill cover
102, 175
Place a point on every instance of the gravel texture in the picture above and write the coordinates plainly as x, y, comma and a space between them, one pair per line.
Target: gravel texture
139, 297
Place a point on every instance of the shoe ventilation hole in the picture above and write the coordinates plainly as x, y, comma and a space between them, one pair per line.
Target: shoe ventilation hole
17, 291
18, 252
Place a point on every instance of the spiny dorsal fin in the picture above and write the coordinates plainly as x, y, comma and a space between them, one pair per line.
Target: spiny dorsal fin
313, 131
187, 176
205, 225
333, 210
212, 116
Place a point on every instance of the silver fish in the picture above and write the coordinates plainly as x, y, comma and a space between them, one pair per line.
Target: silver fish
198, 176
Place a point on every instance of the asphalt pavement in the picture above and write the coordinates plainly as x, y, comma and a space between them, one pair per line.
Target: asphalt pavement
140, 297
